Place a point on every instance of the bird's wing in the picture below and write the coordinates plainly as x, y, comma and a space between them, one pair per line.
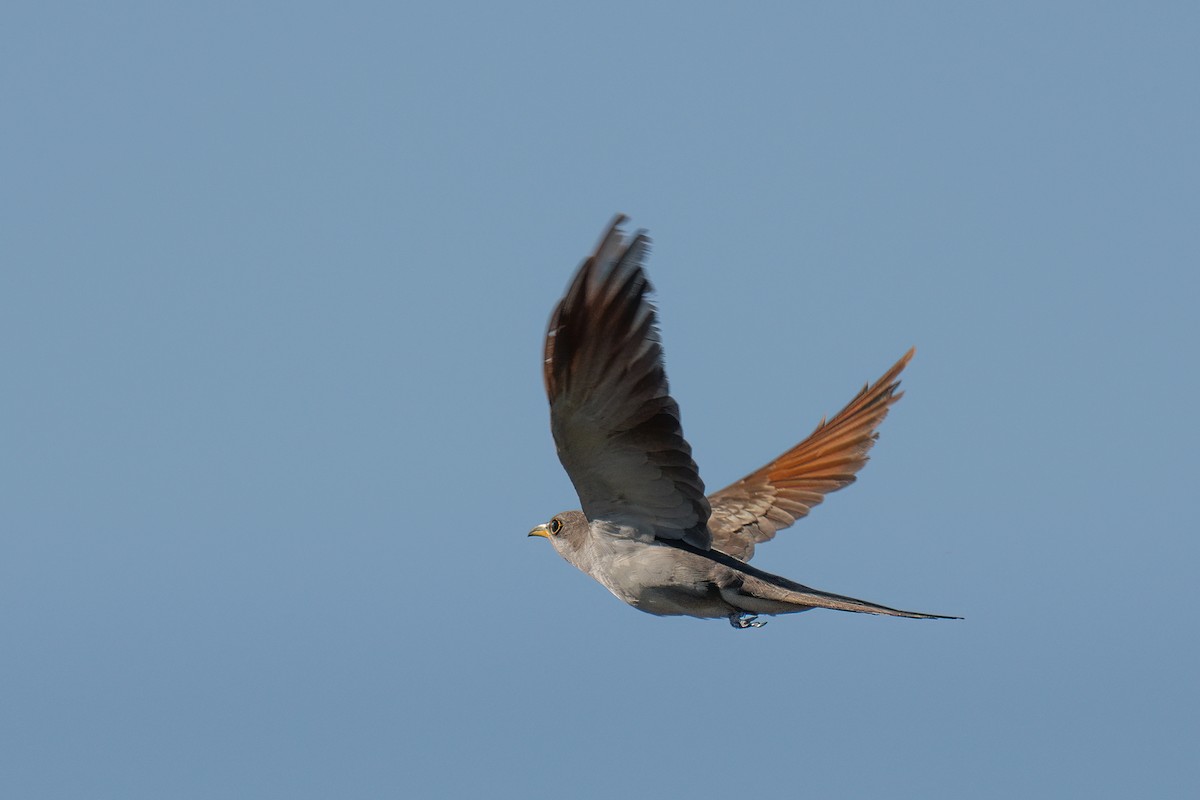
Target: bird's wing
614, 421
754, 508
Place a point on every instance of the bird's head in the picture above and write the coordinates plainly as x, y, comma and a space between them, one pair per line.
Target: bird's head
566, 531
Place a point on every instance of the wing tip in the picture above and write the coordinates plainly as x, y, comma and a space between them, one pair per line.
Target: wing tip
613, 231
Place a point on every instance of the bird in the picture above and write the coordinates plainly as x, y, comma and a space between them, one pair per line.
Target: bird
646, 530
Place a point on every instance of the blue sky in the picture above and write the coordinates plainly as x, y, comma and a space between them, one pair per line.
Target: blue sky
273, 282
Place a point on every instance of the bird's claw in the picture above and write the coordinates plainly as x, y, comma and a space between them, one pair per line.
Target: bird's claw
742, 620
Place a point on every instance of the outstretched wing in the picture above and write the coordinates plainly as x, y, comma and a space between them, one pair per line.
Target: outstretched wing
614, 421
754, 508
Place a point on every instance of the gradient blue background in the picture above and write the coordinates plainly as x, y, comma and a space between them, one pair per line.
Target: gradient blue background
274, 280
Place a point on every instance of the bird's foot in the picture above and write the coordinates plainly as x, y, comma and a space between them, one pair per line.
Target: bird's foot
741, 620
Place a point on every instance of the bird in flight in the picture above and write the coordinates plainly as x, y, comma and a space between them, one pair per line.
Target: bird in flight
646, 530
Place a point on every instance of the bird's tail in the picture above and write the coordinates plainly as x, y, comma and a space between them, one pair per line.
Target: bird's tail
774, 589
759, 592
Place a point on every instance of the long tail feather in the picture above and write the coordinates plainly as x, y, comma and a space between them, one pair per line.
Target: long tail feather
785, 591
757, 583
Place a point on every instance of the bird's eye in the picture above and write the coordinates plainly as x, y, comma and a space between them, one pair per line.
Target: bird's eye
555, 525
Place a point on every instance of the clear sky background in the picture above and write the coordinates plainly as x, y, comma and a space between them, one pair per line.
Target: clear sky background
273, 283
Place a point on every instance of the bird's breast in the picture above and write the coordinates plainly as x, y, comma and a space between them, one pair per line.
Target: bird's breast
657, 578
